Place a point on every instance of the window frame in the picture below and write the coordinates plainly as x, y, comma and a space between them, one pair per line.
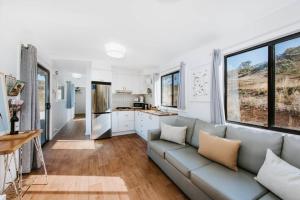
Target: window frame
271, 83
161, 89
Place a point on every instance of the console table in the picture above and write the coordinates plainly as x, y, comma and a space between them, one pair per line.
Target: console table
9, 145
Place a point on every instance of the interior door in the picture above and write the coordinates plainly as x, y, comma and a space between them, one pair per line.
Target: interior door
43, 80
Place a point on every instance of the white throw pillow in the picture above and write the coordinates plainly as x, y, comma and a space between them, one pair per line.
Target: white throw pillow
280, 177
173, 133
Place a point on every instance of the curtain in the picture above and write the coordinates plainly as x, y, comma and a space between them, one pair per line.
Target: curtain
181, 95
216, 101
30, 115
70, 94
156, 91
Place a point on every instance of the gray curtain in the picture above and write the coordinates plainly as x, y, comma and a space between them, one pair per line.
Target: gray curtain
216, 101
30, 115
70, 94
181, 96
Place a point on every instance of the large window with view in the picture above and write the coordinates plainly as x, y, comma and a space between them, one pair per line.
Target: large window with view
262, 85
169, 89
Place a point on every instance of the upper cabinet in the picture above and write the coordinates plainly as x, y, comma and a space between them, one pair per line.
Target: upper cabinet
129, 82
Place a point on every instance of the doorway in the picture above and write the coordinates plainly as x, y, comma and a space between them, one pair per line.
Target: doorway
43, 82
80, 102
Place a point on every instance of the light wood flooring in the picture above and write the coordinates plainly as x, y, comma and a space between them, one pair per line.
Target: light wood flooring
109, 169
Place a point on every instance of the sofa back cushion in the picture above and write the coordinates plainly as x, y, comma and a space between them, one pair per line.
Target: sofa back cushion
217, 130
291, 149
254, 145
188, 122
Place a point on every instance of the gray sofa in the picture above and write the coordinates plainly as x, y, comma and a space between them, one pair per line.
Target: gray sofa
200, 178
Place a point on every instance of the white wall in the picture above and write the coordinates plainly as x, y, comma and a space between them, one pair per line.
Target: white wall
280, 23
62, 115
80, 101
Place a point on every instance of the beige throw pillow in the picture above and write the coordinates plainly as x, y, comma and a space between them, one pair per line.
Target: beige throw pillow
218, 149
173, 133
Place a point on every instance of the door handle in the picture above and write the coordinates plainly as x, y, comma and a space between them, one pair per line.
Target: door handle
48, 106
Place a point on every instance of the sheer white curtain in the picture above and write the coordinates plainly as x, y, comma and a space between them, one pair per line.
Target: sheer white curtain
181, 94
156, 92
216, 101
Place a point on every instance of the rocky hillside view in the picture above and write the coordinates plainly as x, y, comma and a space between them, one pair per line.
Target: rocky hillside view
253, 90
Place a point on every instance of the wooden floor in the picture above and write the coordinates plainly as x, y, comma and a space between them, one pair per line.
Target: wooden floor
112, 169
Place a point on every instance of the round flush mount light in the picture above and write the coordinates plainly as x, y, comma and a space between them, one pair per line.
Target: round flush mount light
115, 50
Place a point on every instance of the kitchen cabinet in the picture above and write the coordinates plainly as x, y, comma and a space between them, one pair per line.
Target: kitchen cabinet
145, 122
134, 83
122, 121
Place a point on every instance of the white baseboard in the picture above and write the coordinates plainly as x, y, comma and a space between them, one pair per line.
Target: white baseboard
123, 133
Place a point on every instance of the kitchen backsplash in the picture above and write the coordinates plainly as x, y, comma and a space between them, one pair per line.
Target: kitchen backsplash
123, 100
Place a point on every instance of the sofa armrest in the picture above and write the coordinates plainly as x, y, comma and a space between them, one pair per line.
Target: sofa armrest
153, 134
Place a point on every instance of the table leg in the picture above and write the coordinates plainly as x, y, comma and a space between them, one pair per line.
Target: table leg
5, 172
21, 167
39, 150
7, 161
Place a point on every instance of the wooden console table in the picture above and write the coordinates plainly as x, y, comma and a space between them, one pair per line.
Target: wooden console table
9, 144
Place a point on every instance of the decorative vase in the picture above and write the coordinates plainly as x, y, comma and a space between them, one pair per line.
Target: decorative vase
13, 120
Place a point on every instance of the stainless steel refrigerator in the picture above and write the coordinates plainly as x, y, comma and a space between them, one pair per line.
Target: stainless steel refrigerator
101, 110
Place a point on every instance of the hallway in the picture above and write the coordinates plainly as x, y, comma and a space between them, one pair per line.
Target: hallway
116, 168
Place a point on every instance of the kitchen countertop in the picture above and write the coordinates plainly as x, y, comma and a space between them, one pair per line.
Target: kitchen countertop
158, 113
151, 112
129, 109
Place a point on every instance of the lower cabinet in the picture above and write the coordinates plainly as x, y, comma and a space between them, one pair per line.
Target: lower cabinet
145, 122
122, 121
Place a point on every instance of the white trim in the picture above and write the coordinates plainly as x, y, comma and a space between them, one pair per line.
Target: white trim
123, 133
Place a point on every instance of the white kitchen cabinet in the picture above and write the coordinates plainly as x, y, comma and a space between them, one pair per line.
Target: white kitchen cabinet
122, 121
145, 122
130, 82
115, 122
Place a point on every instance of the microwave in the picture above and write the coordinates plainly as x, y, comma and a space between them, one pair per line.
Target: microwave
139, 105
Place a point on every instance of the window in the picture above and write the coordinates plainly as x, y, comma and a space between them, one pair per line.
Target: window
262, 85
169, 89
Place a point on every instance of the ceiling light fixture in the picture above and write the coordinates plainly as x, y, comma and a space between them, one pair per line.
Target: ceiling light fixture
75, 75
115, 50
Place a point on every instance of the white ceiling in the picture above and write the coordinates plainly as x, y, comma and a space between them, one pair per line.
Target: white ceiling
153, 31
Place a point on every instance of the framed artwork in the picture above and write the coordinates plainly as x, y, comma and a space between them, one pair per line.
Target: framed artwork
10, 82
200, 83
4, 110
17, 88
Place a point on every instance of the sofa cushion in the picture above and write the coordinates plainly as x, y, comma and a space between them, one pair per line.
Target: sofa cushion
254, 145
219, 182
189, 123
217, 130
174, 134
186, 159
161, 146
269, 196
291, 149
220, 150
280, 177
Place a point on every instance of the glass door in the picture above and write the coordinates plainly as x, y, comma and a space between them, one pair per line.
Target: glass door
44, 101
